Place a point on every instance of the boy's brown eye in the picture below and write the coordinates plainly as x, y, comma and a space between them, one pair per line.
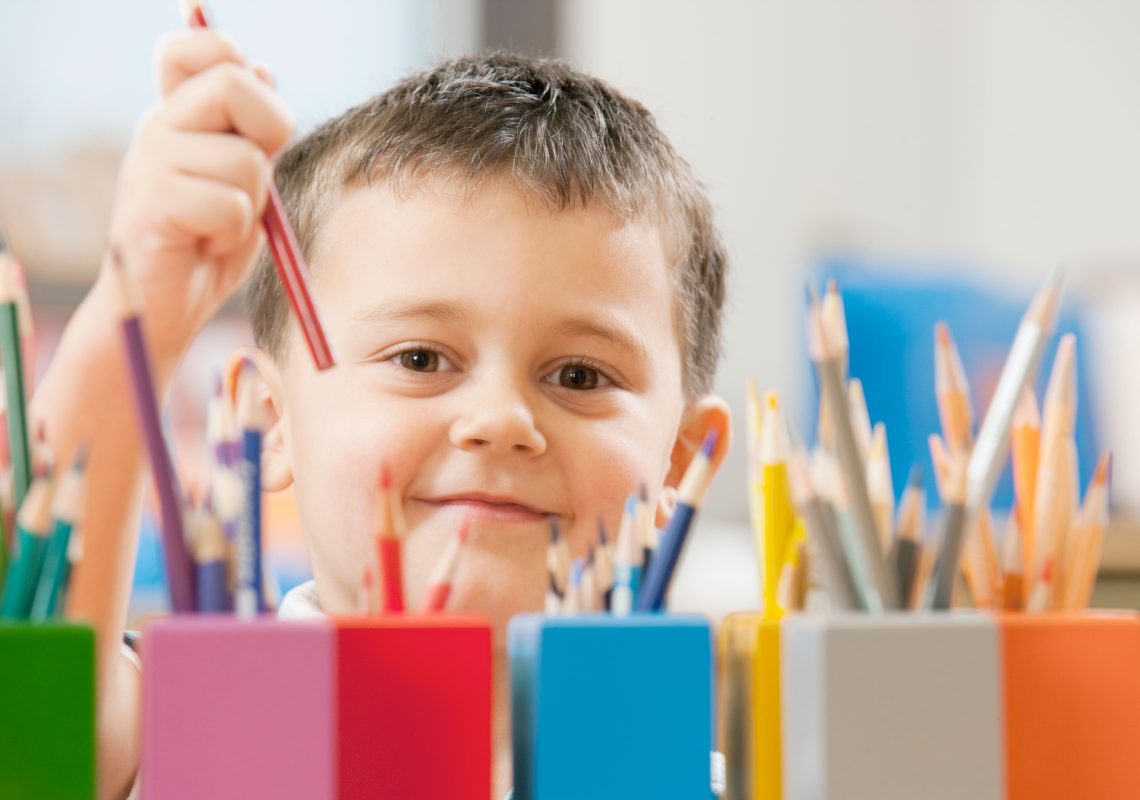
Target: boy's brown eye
578, 377
419, 360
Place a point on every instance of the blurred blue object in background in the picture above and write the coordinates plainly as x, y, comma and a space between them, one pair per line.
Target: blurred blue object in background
890, 320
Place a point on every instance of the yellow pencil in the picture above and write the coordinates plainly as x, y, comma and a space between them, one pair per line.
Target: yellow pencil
779, 518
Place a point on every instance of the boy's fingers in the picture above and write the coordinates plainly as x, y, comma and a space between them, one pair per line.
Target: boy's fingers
223, 157
229, 98
204, 209
185, 54
262, 71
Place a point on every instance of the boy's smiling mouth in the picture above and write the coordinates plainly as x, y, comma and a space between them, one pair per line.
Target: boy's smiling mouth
481, 506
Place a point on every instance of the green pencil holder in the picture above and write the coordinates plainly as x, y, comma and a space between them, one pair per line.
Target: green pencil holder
47, 711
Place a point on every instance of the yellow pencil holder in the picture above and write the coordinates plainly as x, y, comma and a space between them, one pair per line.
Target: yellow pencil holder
748, 662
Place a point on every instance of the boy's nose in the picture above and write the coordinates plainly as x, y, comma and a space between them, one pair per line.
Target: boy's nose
498, 421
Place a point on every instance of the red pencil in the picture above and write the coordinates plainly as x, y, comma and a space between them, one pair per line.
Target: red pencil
439, 590
388, 548
291, 267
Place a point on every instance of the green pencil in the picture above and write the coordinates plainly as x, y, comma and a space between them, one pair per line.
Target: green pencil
33, 526
57, 560
14, 377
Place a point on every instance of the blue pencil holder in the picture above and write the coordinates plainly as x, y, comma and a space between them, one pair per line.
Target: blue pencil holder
611, 708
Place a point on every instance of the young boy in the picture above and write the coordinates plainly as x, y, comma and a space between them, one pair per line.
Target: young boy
522, 285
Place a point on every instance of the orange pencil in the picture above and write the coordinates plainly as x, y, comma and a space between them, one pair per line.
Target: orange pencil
389, 550
953, 391
1026, 441
1054, 505
1089, 538
1013, 582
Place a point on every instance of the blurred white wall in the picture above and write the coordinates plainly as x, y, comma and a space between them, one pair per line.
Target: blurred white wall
996, 133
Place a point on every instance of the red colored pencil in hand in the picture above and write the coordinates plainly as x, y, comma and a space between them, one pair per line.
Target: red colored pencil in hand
291, 267
441, 580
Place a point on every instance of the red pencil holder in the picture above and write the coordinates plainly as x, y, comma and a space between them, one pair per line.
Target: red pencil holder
378, 707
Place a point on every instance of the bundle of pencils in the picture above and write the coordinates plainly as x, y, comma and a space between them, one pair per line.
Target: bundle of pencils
382, 582
40, 540
635, 572
872, 558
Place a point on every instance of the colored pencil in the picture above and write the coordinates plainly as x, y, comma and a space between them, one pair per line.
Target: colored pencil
604, 567
821, 527
778, 515
1055, 507
909, 533
33, 528
1013, 581
558, 568
1026, 442
282, 242
588, 586
628, 557
365, 598
941, 586
68, 503
880, 485
389, 547
249, 599
690, 495
860, 418
211, 562
572, 603
179, 570
988, 456
443, 576
1094, 519
952, 391
15, 391
880, 591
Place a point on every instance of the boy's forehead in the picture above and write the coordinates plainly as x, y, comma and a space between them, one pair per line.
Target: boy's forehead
498, 242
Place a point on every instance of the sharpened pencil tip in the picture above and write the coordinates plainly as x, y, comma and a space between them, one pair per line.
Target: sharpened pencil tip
643, 492
555, 529
464, 529
916, 476
385, 476
709, 444
603, 536
80, 461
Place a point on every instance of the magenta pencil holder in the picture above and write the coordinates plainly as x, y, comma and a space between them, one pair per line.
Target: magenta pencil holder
379, 708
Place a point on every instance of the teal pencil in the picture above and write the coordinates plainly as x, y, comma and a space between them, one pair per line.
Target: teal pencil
57, 561
13, 359
33, 525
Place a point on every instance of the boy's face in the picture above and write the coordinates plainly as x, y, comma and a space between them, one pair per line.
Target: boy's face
508, 362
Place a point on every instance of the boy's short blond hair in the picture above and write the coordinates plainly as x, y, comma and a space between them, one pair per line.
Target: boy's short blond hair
567, 137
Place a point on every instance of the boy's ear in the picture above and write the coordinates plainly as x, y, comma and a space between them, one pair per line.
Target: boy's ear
276, 460
706, 414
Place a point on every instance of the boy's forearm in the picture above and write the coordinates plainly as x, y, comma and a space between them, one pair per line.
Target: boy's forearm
86, 398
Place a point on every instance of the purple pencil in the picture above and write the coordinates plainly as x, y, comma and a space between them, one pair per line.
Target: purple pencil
179, 571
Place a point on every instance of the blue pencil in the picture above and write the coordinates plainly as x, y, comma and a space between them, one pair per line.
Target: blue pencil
691, 494
627, 560
250, 599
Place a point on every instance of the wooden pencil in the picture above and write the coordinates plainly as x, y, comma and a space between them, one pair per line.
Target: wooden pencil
1026, 442
882, 594
690, 495
778, 516
941, 586
990, 448
68, 506
282, 243
179, 568
952, 390
33, 528
15, 391
1013, 581
443, 576
389, 547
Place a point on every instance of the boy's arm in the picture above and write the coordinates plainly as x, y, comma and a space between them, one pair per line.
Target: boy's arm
186, 218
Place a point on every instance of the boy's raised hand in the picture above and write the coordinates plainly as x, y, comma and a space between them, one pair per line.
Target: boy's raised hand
191, 189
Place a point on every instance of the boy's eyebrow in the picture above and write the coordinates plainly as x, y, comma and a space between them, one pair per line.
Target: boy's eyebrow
618, 336
433, 309
444, 311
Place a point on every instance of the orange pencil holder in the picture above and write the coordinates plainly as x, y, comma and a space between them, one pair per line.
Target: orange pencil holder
384, 708
1072, 705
